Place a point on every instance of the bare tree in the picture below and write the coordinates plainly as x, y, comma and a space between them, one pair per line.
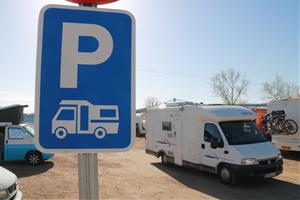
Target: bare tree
151, 102
229, 85
278, 89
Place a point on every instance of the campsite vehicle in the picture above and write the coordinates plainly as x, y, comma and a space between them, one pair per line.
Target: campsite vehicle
140, 124
17, 143
73, 117
291, 107
220, 139
8, 186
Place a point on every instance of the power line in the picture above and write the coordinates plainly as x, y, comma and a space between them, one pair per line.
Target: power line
206, 76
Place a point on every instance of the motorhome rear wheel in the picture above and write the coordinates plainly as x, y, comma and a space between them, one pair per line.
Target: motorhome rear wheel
164, 159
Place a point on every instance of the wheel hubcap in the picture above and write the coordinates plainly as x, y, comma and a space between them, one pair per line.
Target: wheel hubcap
34, 159
225, 174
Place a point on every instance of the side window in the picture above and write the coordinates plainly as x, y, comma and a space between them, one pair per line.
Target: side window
66, 114
211, 131
107, 113
167, 126
16, 133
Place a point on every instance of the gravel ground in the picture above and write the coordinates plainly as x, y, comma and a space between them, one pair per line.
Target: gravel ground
136, 175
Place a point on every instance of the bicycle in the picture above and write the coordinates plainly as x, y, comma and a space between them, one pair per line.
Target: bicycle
275, 123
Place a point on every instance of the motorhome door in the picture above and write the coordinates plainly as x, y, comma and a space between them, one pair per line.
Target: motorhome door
178, 138
211, 156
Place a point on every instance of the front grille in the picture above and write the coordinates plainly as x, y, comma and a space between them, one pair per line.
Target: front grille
269, 170
12, 188
267, 162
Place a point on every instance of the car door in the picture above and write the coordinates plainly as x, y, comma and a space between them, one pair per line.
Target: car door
211, 156
17, 143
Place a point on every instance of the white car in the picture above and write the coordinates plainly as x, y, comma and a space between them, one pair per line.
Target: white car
8, 186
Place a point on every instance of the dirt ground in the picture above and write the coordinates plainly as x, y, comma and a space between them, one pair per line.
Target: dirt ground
137, 175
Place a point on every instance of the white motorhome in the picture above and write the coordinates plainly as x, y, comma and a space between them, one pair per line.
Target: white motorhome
220, 139
291, 107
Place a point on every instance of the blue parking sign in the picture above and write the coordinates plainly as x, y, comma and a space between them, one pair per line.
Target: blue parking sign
85, 80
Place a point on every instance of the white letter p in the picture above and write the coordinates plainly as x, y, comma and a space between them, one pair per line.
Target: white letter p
70, 55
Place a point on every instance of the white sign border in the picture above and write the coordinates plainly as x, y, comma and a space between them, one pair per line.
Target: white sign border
38, 78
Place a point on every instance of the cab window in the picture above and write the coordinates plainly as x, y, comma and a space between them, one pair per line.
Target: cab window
16, 133
66, 114
211, 131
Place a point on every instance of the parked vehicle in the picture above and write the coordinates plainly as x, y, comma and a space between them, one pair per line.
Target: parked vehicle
73, 116
140, 124
220, 139
285, 139
17, 143
8, 186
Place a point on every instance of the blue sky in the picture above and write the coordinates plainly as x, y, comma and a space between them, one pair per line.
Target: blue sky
180, 44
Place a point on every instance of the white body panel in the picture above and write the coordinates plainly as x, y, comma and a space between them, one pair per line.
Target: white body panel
179, 133
292, 111
7, 179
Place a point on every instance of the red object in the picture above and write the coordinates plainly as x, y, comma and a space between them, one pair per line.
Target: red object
260, 113
98, 2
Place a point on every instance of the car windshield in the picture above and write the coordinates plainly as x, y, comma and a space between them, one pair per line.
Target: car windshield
242, 132
29, 129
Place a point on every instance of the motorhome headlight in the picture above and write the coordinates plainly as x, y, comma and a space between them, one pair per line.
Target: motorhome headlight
278, 157
249, 161
3, 194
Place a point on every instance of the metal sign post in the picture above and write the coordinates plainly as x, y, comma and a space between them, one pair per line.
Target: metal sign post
88, 176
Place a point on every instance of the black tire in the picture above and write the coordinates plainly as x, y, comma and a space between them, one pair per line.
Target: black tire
34, 158
164, 159
291, 126
226, 174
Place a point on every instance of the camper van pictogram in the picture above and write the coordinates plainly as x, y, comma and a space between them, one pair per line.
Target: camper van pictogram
82, 117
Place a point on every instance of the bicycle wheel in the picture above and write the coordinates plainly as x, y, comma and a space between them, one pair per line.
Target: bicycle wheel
290, 126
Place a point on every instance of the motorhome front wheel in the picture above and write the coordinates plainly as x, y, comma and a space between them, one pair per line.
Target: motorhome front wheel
100, 133
61, 133
225, 174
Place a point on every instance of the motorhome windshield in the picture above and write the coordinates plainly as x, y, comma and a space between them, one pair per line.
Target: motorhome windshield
29, 129
242, 132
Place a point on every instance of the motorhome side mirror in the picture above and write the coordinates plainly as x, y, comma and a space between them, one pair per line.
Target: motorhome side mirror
214, 143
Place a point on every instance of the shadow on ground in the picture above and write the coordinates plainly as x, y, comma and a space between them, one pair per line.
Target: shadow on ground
23, 169
247, 189
291, 155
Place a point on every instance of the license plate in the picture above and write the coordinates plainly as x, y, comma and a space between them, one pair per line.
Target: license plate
269, 175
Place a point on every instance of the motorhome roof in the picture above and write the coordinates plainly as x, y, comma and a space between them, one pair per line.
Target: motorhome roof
216, 113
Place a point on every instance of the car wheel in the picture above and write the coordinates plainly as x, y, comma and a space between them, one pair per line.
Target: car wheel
34, 158
226, 175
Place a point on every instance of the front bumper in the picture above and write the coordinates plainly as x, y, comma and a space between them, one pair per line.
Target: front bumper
258, 171
16, 196
19, 195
